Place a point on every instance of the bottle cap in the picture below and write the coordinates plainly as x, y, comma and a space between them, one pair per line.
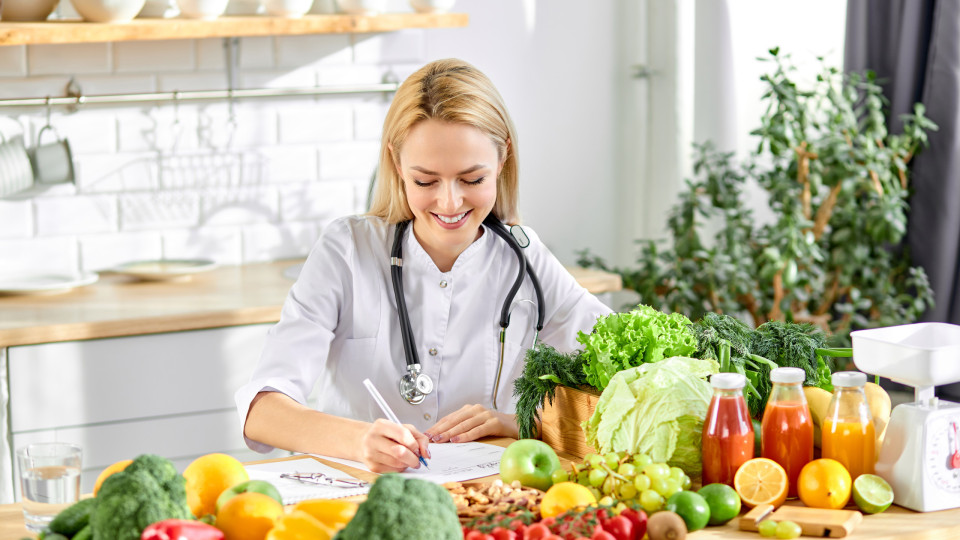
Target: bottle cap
849, 378
788, 375
728, 381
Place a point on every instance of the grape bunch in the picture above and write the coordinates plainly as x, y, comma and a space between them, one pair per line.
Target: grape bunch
619, 476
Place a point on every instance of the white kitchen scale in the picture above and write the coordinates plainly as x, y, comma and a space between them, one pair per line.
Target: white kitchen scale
920, 456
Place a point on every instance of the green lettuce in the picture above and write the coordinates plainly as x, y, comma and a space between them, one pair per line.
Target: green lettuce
657, 409
624, 340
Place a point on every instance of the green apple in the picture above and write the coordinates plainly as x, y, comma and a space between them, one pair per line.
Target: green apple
530, 461
251, 486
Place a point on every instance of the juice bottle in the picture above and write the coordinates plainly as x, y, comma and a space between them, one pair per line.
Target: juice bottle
786, 434
727, 432
847, 432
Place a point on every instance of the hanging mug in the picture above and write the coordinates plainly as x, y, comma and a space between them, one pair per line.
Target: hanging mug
52, 162
15, 171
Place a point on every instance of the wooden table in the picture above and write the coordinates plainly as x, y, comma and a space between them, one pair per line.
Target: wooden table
894, 524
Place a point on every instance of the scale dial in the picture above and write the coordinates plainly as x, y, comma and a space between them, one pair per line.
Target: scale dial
942, 444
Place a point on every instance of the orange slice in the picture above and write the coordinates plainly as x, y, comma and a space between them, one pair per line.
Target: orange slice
761, 481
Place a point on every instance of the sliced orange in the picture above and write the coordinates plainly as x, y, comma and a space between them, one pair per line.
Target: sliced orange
761, 481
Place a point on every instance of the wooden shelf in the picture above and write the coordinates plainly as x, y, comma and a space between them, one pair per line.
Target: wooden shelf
34, 33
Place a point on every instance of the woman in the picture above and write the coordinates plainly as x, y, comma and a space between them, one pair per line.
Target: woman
448, 160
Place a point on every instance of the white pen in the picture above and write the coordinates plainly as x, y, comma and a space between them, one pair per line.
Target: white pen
387, 410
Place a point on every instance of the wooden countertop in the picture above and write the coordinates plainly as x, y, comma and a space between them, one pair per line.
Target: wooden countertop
118, 305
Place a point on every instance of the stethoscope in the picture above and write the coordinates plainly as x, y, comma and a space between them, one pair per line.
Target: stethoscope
414, 384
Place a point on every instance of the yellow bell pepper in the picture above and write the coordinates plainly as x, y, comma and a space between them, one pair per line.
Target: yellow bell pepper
334, 513
299, 525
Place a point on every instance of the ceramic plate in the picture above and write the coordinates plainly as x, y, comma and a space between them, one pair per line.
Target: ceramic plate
165, 269
45, 283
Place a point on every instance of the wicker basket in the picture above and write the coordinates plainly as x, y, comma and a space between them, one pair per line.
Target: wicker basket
561, 419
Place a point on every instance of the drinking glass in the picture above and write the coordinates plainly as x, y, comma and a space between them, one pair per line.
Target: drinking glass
49, 480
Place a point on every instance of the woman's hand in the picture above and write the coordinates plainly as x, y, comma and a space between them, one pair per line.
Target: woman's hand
472, 422
388, 447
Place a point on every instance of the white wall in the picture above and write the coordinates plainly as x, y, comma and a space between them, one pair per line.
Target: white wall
171, 181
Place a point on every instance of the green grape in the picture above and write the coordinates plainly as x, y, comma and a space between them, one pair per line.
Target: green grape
559, 475
677, 472
641, 460
588, 457
672, 486
583, 478
642, 482
787, 530
627, 469
651, 501
767, 528
595, 461
628, 491
659, 485
596, 493
597, 476
686, 483
657, 470
606, 501
609, 486
612, 459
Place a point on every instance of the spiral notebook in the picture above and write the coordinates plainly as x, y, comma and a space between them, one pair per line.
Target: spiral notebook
294, 491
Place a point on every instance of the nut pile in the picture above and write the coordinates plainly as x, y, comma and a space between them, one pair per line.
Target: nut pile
493, 498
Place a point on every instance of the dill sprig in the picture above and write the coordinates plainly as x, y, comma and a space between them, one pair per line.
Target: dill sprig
544, 369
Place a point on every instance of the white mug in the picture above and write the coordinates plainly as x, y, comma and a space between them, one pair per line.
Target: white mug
52, 162
15, 171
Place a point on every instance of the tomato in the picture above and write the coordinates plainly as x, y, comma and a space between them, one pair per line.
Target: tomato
477, 535
537, 531
620, 527
601, 534
500, 533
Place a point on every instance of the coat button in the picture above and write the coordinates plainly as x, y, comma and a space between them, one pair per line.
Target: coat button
443, 284
433, 352
426, 416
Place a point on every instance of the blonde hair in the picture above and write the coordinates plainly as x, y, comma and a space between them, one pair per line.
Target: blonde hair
452, 91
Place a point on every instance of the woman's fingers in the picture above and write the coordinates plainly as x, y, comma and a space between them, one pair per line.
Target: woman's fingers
469, 423
390, 447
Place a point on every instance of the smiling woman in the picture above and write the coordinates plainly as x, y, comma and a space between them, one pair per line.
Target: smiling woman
430, 309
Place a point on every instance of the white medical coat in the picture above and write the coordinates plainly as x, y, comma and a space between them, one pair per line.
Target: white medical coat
339, 324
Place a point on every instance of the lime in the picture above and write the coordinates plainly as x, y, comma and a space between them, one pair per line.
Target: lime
872, 493
690, 506
723, 501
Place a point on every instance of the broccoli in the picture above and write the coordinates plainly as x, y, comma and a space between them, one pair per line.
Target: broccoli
399, 508
147, 491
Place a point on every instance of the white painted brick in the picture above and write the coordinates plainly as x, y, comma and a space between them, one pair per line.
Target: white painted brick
103, 173
256, 125
185, 82
75, 58
202, 169
154, 56
76, 215
93, 85
21, 257
13, 61
159, 210
16, 219
221, 244
348, 160
33, 87
313, 50
346, 75
290, 163
89, 132
273, 242
239, 206
294, 78
104, 251
400, 46
255, 53
311, 123
166, 129
368, 119
321, 202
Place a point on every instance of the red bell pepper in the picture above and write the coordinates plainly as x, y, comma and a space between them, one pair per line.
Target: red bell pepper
181, 529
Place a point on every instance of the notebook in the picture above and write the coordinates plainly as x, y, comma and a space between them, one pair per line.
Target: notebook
294, 491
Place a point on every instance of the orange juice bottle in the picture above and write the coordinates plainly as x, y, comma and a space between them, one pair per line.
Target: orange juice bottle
847, 432
786, 434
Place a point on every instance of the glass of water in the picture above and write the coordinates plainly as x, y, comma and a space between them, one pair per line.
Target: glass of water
49, 480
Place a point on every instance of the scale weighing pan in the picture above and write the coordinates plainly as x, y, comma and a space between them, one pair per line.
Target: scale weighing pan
920, 456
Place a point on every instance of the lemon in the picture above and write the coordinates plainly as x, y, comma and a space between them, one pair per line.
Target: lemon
872, 493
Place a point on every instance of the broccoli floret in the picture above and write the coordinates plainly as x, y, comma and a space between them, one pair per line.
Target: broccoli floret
399, 508
145, 492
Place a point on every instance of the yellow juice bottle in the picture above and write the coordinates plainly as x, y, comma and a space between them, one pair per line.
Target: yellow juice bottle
847, 433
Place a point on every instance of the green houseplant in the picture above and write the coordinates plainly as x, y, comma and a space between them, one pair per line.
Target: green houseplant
837, 184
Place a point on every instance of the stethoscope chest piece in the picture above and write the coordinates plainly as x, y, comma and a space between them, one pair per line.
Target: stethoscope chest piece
414, 385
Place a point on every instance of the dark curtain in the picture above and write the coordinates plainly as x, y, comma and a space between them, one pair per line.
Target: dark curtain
914, 47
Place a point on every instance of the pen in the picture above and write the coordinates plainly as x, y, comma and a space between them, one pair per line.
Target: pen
387, 411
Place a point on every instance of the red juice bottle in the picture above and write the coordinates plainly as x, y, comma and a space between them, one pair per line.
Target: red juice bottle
727, 432
787, 429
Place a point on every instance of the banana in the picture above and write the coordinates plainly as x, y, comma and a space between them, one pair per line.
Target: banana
879, 401
818, 400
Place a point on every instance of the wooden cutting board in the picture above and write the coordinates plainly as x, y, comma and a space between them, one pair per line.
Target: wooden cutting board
818, 522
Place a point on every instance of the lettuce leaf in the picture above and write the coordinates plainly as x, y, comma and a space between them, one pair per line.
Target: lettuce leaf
657, 409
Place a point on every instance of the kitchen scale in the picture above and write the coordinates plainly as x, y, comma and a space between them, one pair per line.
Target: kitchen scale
920, 456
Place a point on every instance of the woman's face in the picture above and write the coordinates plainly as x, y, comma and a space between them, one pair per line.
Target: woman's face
449, 173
